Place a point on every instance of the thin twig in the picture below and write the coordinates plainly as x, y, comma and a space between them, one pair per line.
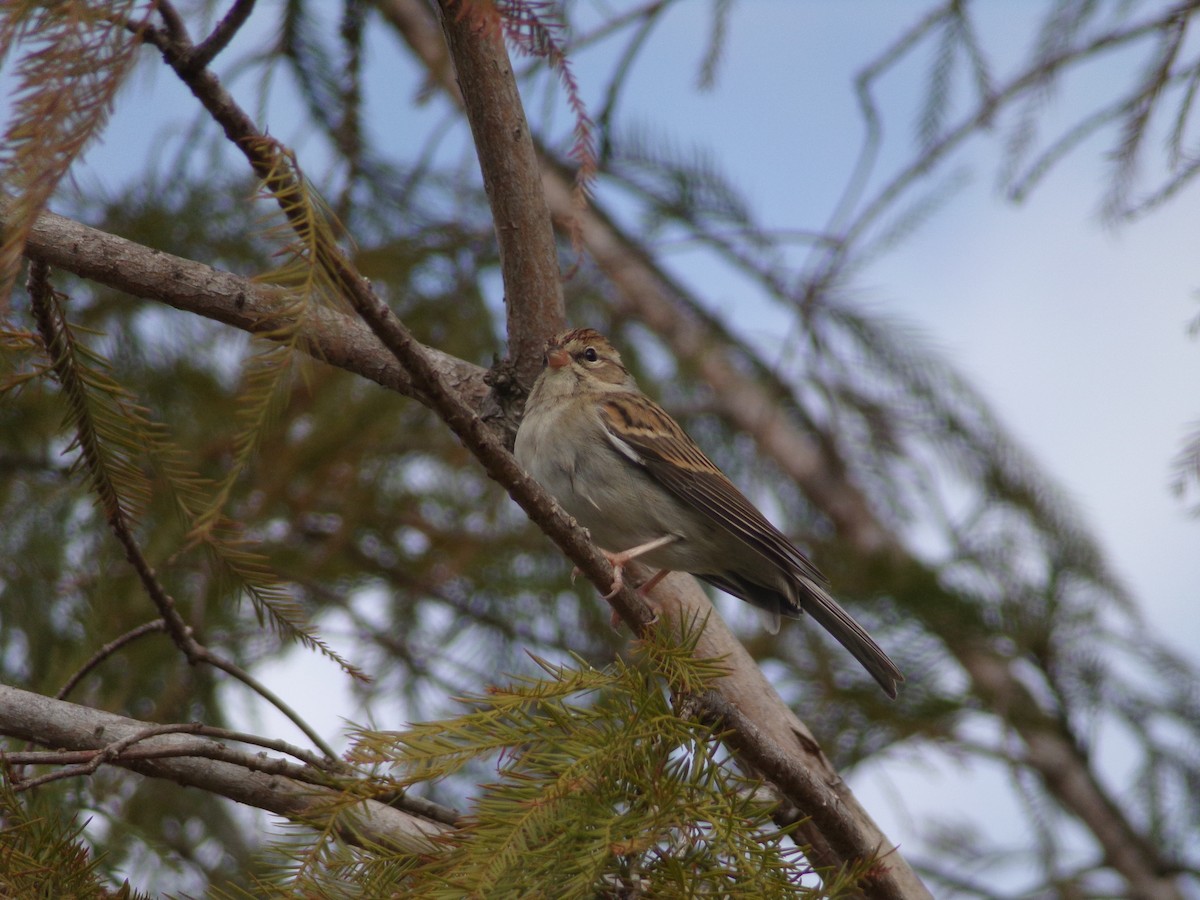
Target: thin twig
207, 50
317, 762
231, 668
155, 626
51, 326
86, 761
310, 760
107, 754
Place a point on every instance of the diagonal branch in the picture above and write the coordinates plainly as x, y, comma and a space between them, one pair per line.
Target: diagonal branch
220, 37
335, 338
154, 626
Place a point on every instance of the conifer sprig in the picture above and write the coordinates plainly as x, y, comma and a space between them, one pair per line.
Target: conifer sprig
600, 787
76, 57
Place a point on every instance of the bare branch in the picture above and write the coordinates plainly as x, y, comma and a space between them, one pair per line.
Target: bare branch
208, 49
528, 253
56, 723
334, 338
109, 753
316, 769
176, 27
153, 627
203, 654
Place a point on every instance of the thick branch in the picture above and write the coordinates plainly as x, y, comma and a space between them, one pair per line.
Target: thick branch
56, 723
340, 340
508, 160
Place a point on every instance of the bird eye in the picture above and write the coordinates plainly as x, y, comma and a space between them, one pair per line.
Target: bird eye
590, 354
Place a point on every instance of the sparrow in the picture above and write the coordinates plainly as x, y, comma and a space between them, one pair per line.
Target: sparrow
617, 462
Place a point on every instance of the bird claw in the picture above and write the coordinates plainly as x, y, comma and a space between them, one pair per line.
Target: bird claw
615, 620
618, 581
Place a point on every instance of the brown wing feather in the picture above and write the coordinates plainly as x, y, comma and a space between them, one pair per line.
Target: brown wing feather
678, 464
647, 435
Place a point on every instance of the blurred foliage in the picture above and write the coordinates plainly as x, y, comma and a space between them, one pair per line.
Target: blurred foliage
42, 854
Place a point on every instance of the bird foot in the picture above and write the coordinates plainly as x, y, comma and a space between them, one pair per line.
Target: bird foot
618, 565
615, 620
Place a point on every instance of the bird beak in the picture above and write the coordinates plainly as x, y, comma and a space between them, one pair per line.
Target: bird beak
557, 358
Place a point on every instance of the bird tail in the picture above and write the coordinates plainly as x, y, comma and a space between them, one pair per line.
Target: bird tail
807, 596
828, 613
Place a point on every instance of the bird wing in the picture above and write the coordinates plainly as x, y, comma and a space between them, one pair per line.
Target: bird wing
644, 433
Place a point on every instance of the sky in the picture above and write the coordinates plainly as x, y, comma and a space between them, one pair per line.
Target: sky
1074, 330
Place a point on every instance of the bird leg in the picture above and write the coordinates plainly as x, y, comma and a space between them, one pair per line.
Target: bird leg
619, 560
643, 591
647, 586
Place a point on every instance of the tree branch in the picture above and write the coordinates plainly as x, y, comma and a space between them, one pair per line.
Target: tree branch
335, 338
508, 161
233, 20
216, 769
152, 627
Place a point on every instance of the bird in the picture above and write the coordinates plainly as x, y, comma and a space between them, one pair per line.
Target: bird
624, 469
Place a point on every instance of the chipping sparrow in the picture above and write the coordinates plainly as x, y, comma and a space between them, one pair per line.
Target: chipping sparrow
627, 472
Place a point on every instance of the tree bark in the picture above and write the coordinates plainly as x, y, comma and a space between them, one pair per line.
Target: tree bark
59, 724
511, 179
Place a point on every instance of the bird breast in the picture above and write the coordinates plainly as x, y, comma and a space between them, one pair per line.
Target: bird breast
565, 448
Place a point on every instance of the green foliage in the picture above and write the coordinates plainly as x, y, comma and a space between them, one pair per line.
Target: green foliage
599, 788
42, 855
